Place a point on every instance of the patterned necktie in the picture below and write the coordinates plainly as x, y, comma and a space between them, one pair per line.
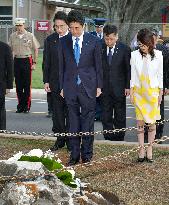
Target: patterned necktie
110, 56
77, 57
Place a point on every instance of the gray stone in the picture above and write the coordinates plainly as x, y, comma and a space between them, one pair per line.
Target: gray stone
97, 198
40, 191
32, 192
7, 169
43, 202
2, 202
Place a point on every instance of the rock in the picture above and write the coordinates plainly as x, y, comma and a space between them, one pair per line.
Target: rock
2, 202
33, 191
97, 198
14, 193
110, 197
7, 169
43, 202
43, 190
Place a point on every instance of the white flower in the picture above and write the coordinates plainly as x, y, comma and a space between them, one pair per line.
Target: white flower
49, 154
72, 172
35, 152
80, 184
59, 160
16, 157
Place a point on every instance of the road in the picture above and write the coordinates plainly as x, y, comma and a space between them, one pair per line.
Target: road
36, 120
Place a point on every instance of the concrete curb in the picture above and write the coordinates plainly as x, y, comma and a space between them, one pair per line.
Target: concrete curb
35, 93
99, 142
27, 137
41, 94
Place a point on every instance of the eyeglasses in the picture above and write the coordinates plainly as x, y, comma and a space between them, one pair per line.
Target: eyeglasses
60, 26
141, 45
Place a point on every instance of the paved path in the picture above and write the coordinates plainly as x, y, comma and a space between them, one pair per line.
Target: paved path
36, 120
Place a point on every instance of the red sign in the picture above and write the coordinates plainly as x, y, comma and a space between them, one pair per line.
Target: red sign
42, 25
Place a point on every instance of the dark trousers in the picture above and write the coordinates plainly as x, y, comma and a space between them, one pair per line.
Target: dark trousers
2, 113
49, 101
60, 119
81, 119
98, 113
23, 75
160, 127
113, 116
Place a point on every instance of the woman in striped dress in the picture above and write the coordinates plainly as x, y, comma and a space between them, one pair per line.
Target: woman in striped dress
146, 89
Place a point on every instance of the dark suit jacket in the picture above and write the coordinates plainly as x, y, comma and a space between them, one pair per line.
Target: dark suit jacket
89, 68
116, 77
51, 62
165, 52
6, 68
94, 33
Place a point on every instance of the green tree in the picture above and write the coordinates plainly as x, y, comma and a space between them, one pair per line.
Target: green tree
124, 12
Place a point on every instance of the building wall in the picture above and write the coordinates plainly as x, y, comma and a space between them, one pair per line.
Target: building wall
31, 9
38, 9
6, 3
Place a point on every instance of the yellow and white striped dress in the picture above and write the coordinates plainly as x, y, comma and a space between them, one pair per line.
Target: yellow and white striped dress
146, 98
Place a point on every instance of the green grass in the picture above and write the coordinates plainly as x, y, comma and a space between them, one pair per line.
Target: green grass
37, 77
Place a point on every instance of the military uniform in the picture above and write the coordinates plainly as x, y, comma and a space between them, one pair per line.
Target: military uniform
22, 46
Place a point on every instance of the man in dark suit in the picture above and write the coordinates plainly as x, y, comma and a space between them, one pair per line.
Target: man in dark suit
81, 82
99, 24
6, 79
116, 83
51, 78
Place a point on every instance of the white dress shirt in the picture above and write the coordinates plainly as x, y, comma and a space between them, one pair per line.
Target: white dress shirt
100, 35
64, 35
112, 50
155, 69
79, 42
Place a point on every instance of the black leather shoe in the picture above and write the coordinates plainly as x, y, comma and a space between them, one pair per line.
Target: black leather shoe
97, 119
72, 162
54, 148
149, 160
49, 114
19, 110
141, 159
107, 138
86, 160
26, 110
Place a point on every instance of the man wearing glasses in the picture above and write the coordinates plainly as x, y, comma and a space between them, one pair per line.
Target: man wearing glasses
51, 78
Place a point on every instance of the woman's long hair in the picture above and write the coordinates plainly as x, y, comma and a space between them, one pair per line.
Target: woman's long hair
145, 36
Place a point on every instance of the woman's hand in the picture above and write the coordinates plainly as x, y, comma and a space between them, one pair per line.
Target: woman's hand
98, 92
160, 96
61, 93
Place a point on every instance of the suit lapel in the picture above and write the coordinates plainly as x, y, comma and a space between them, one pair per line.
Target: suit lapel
116, 51
104, 50
70, 46
85, 44
56, 38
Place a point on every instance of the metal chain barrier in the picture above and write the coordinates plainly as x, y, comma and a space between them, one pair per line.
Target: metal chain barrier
103, 159
79, 134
